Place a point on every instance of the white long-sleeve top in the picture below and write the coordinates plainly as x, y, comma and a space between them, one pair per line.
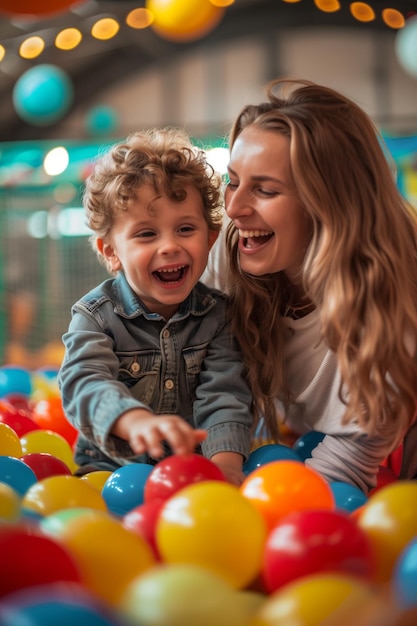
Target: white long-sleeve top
345, 454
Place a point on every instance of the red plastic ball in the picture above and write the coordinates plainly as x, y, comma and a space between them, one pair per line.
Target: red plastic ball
175, 472
44, 465
19, 420
310, 542
143, 519
29, 559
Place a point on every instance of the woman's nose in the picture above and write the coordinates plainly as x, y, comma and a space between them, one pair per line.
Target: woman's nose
237, 203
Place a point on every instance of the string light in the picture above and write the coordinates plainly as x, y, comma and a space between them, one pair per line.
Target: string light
32, 47
68, 39
105, 28
328, 6
393, 18
141, 18
362, 12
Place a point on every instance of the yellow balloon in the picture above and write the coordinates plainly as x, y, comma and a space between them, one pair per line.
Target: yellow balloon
213, 525
182, 595
108, 555
9, 503
311, 600
56, 493
389, 518
43, 388
48, 441
9, 442
97, 479
184, 20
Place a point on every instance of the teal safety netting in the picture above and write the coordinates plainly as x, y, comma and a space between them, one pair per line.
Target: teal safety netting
46, 261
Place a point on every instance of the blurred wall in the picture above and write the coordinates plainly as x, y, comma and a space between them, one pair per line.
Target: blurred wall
204, 89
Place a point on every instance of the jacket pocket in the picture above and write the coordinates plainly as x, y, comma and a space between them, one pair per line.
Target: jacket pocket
193, 357
140, 372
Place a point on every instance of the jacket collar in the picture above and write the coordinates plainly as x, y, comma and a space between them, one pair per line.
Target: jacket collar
129, 305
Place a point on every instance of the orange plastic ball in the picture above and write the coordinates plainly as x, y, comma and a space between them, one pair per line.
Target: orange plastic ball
49, 414
281, 487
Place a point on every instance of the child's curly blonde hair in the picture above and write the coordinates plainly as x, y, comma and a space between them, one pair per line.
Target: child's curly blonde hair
164, 158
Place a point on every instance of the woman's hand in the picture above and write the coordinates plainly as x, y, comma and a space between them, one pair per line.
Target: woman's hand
230, 464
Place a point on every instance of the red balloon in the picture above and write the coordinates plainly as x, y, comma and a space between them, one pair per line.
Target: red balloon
316, 541
19, 401
44, 465
29, 558
49, 414
143, 519
35, 7
17, 419
175, 472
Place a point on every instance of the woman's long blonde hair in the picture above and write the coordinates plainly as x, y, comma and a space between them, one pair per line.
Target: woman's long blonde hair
360, 269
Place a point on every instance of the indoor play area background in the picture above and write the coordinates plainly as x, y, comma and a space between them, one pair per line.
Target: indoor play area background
61, 105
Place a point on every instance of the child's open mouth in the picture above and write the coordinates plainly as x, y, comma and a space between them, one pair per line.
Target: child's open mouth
171, 275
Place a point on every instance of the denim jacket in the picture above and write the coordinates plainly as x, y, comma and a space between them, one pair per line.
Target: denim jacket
119, 356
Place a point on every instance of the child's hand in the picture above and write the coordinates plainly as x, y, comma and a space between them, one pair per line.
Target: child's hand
145, 433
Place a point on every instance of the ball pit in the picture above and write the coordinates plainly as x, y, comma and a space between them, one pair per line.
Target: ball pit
180, 545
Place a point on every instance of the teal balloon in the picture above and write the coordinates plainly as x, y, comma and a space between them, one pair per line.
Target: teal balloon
43, 95
101, 120
406, 46
15, 379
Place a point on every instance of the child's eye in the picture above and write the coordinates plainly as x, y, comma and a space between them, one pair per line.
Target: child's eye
144, 234
186, 229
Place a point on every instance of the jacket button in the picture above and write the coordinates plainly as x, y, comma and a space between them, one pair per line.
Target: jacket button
169, 384
135, 368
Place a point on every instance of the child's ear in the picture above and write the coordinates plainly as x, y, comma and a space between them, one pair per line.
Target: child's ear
109, 254
213, 234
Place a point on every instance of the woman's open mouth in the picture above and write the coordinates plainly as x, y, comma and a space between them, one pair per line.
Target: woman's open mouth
255, 238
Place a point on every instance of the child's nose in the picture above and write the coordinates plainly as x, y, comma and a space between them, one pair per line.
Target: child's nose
169, 245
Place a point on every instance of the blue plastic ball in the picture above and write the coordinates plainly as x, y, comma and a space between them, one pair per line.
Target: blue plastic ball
43, 95
266, 454
405, 576
347, 497
48, 605
124, 489
306, 443
16, 474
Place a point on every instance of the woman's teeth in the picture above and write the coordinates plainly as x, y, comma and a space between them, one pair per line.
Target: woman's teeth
245, 234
